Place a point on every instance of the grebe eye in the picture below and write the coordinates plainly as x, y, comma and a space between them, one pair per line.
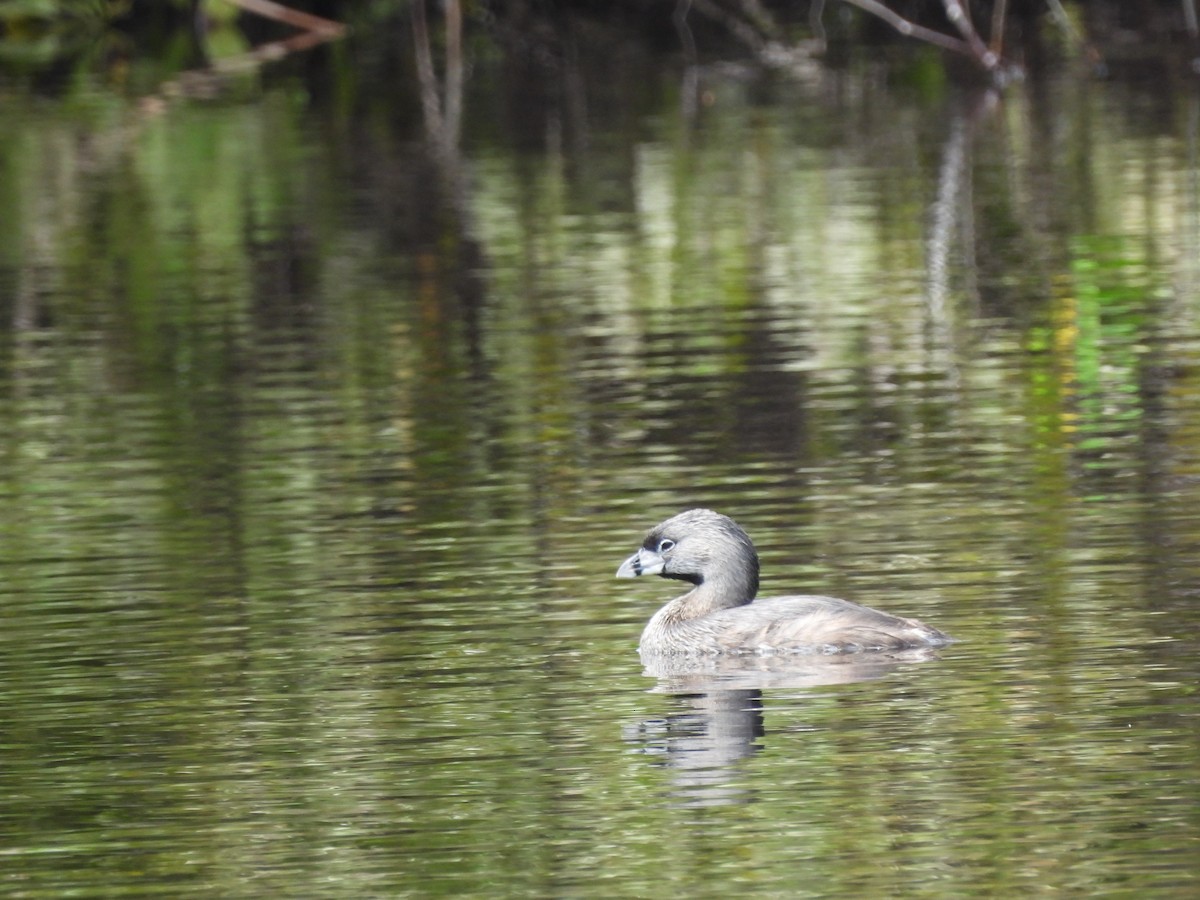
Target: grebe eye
665, 545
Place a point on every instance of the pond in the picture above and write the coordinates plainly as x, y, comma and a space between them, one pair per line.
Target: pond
323, 443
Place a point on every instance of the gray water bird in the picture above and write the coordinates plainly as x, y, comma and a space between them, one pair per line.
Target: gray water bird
719, 615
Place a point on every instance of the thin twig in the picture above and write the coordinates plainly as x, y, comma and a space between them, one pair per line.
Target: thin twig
314, 30
999, 17
911, 29
1073, 36
959, 18
280, 13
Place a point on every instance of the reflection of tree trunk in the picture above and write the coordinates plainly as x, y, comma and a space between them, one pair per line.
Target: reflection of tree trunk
442, 109
430, 105
25, 307
691, 72
946, 214
953, 213
1190, 270
454, 71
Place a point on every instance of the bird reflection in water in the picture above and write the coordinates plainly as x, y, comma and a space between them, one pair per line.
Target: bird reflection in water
719, 712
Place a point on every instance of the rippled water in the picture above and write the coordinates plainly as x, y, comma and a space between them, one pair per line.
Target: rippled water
315, 478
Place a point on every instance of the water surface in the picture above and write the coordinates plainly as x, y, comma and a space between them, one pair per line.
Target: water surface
321, 450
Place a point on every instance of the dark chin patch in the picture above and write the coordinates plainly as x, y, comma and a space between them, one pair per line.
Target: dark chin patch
689, 577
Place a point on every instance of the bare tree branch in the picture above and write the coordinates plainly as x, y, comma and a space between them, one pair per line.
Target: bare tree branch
961, 19
912, 29
996, 37
280, 13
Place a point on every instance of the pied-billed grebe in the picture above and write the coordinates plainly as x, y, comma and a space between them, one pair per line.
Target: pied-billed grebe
713, 553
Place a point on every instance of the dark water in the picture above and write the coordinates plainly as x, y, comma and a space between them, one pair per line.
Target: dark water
320, 451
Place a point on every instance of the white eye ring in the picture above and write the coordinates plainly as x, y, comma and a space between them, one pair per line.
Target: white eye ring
665, 544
